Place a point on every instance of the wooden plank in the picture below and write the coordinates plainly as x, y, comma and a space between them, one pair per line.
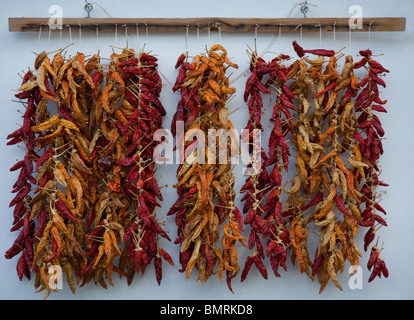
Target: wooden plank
376, 24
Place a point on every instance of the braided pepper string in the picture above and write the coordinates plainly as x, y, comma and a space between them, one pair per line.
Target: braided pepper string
94, 170
204, 91
366, 156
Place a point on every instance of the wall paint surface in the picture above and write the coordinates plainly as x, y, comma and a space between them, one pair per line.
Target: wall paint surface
396, 163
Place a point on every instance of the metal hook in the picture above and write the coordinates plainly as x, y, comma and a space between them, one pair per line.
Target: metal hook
304, 8
88, 8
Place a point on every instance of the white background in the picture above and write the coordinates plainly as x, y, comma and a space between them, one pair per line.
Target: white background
16, 55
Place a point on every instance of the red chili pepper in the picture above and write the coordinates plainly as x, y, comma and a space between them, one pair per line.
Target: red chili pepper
250, 216
314, 201
128, 63
317, 263
54, 252
21, 180
158, 269
45, 178
45, 156
286, 101
260, 86
366, 53
377, 79
298, 49
260, 266
18, 211
20, 195
378, 100
361, 98
379, 108
62, 208
321, 52
338, 201
377, 65
22, 268
180, 60
41, 223
360, 63
379, 208
246, 269
331, 86
180, 79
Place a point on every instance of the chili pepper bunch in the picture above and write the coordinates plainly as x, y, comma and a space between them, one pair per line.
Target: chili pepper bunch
86, 192
326, 112
262, 189
205, 205
86, 196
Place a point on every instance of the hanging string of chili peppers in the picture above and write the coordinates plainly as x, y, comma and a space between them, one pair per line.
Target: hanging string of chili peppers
205, 90
86, 192
96, 194
336, 172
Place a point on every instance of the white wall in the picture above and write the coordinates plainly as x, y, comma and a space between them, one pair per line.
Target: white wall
16, 55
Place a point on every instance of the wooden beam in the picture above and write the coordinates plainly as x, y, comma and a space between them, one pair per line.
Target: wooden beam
374, 24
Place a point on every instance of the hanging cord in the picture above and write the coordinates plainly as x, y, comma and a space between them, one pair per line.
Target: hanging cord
272, 41
97, 35
320, 34
137, 33
208, 33
60, 37
70, 33
38, 38
334, 35
369, 34
80, 36
255, 36
198, 32
126, 34
299, 26
186, 38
